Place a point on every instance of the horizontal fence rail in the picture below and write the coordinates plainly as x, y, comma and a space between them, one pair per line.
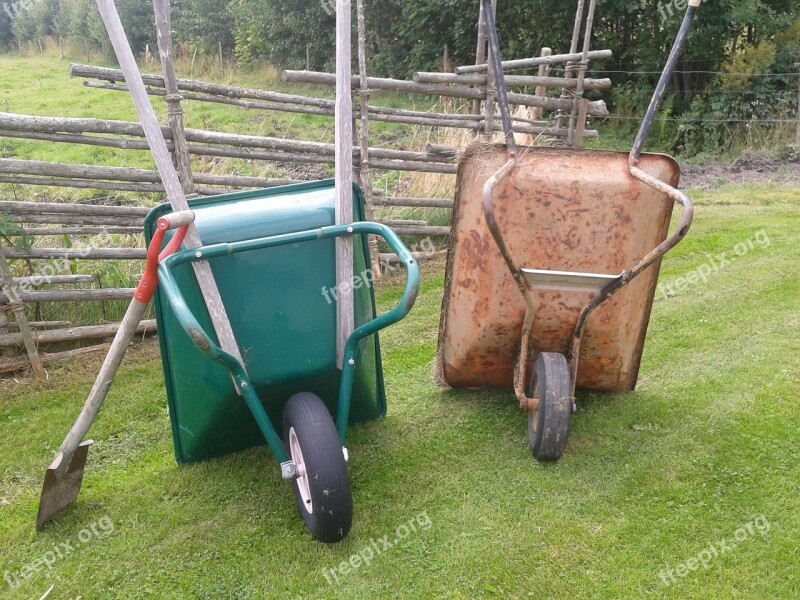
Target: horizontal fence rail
49, 219
249, 98
42, 226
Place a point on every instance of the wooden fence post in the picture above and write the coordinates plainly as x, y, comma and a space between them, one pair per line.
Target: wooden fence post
364, 172
5, 352
16, 305
480, 55
569, 69
579, 102
168, 174
345, 321
797, 140
544, 70
173, 98
491, 90
580, 127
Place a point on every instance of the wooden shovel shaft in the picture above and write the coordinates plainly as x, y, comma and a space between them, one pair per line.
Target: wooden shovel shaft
169, 176
102, 384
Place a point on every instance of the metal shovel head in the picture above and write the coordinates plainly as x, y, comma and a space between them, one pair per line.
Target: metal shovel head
62, 486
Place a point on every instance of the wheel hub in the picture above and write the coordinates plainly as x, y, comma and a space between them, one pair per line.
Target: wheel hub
302, 477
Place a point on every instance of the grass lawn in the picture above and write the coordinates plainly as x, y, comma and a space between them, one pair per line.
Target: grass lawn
702, 455
41, 85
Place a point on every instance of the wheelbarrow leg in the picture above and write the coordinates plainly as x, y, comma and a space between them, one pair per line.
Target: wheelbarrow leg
63, 479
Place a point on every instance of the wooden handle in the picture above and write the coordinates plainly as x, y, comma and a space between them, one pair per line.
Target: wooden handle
123, 339
167, 172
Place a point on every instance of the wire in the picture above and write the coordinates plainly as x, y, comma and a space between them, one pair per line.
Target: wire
623, 118
696, 60
794, 74
728, 93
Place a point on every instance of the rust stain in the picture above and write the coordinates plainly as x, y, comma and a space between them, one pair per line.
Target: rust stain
199, 340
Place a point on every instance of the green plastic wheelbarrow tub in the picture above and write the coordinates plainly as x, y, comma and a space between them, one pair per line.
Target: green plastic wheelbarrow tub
281, 306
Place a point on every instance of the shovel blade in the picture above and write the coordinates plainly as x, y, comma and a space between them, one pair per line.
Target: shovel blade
61, 490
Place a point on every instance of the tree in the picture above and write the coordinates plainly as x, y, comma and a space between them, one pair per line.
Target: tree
204, 23
6, 32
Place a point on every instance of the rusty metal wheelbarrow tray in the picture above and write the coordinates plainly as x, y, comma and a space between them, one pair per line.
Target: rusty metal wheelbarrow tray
572, 211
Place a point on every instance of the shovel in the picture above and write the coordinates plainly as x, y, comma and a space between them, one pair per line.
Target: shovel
63, 479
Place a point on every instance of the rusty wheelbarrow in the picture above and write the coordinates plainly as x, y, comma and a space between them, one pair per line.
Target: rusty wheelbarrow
582, 234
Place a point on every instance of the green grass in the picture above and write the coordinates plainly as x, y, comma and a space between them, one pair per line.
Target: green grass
704, 446
40, 85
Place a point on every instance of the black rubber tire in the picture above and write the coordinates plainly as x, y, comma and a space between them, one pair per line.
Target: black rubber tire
328, 480
548, 427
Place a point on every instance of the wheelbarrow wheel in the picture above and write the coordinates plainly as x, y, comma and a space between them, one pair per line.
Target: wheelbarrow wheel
548, 427
322, 487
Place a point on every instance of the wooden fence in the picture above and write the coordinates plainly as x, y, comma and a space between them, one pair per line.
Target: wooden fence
47, 223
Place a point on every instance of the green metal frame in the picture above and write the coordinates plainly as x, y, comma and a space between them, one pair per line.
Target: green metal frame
206, 344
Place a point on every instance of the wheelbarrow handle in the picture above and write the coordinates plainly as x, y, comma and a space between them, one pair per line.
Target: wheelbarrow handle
500, 79
665, 80
210, 348
398, 313
674, 194
677, 196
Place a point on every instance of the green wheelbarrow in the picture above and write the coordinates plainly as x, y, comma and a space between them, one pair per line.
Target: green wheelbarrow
273, 258
279, 290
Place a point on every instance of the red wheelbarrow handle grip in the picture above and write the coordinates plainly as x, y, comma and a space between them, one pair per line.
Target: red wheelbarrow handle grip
149, 282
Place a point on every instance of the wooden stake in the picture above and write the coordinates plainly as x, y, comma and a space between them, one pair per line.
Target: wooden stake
173, 98
344, 176
10, 289
580, 129
579, 103
573, 49
538, 112
364, 174
491, 92
169, 176
480, 54
797, 141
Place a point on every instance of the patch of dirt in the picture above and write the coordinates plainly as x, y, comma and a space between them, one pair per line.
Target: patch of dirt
748, 168
310, 172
